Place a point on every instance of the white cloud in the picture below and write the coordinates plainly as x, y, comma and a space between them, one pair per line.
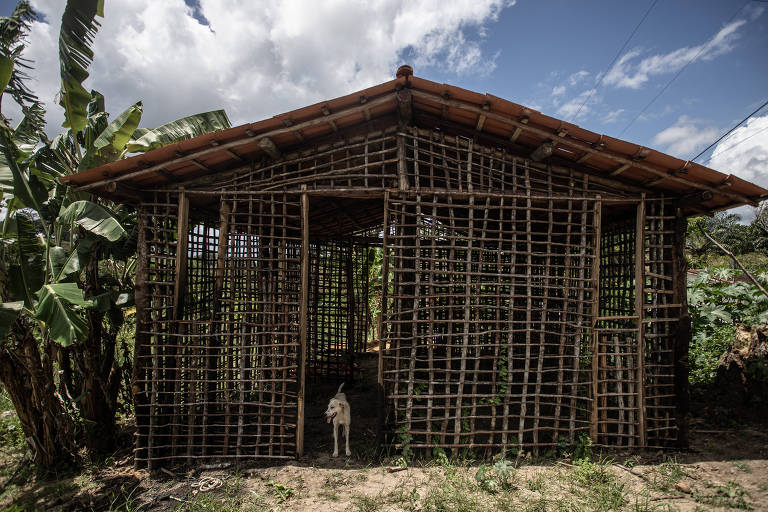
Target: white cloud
578, 107
744, 152
256, 59
558, 90
577, 77
628, 72
685, 137
612, 116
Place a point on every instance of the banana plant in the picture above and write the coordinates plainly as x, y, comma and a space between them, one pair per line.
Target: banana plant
66, 258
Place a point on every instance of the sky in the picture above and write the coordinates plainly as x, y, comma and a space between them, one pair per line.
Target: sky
691, 71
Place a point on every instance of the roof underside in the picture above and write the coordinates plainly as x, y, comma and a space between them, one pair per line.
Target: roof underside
485, 118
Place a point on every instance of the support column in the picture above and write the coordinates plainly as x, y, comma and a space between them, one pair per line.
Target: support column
683, 334
640, 312
303, 317
595, 315
381, 395
138, 379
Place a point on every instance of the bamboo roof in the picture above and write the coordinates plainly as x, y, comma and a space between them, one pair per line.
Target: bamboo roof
484, 117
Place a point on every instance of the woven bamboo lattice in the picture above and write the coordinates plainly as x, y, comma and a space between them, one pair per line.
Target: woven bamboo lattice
218, 364
524, 305
487, 323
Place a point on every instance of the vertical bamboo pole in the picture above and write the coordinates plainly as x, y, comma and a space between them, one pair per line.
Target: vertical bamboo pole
209, 396
683, 332
303, 307
351, 308
179, 287
595, 314
381, 396
640, 312
467, 326
138, 377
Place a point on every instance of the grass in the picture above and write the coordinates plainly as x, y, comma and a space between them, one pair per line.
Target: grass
666, 475
597, 484
731, 495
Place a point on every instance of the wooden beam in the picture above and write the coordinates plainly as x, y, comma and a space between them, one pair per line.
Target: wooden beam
480, 122
515, 135
303, 321
620, 170
221, 251
140, 349
683, 332
269, 147
640, 312
598, 211
239, 142
576, 144
402, 169
199, 165
182, 248
381, 392
404, 107
234, 155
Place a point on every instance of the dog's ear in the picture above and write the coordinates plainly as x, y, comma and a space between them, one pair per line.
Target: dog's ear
342, 404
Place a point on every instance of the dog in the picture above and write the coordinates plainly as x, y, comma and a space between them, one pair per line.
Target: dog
338, 412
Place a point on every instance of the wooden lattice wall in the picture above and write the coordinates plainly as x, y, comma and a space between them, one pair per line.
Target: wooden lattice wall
217, 372
525, 305
488, 320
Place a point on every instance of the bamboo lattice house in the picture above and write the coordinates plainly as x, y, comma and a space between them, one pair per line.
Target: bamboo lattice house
534, 276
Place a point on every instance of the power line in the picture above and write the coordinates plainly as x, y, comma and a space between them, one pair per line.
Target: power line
734, 145
705, 47
610, 66
729, 131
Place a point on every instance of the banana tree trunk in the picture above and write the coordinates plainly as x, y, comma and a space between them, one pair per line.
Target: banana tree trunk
27, 375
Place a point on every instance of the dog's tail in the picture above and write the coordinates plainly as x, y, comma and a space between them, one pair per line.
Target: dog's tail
339, 391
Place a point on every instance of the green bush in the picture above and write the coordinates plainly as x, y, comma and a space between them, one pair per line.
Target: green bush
717, 305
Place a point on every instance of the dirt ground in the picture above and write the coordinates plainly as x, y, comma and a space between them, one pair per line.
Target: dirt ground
725, 469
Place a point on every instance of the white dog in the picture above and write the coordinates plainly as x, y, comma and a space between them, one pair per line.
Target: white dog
338, 412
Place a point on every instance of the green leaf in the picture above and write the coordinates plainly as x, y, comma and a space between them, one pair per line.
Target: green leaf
78, 29
74, 261
94, 219
6, 70
32, 270
9, 312
110, 142
185, 128
56, 308
96, 105
22, 189
57, 258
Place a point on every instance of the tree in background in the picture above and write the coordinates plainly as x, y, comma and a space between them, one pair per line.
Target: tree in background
67, 260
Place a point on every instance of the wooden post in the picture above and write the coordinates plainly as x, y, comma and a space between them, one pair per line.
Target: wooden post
351, 309
303, 317
640, 312
182, 241
225, 209
221, 254
595, 314
402, 167
138, 379
382, 335
683, 334
179, 287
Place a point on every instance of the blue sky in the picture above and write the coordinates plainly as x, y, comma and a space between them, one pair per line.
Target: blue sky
257, 59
